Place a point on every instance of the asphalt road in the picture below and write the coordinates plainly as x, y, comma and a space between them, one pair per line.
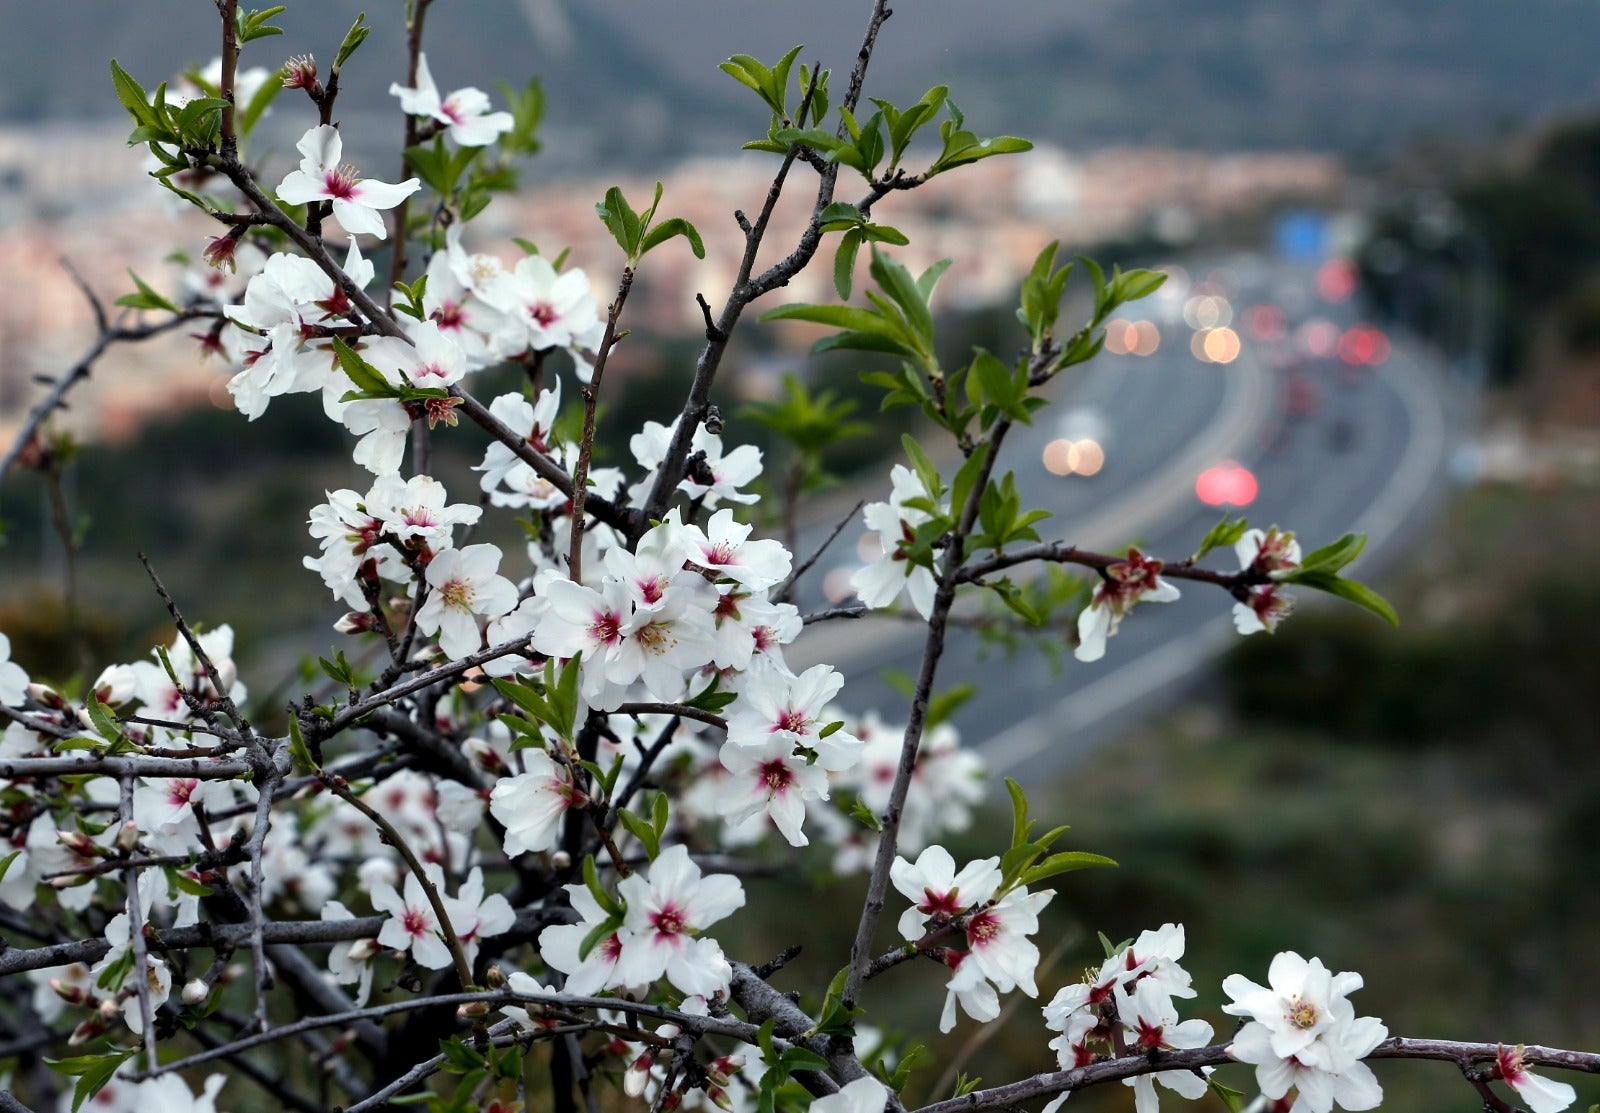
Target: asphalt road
1369, 458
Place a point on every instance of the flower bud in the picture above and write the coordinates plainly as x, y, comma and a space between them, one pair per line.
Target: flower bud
354, 622
637, 1074
79, 843
127, 837
195, 992
71, 994
494, 977
109, 1009
362, 950
719, 1097
90, 1029
561, 859
470, 1010
46, 696
300, 72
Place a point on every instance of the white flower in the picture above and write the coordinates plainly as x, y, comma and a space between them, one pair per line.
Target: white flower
475, 916
465, 111
13, 681
171, 1094
350, 963
968, 987
1541, 1094
999, 943
321, 178
560, 945
531, 804
881, 582
1151, 1023
465, 585
1303, 1033
554, 310
1134, 579
792, 706
1268, 552
934, 887
865, 1095
724, 548
157, 977
771, 777
413, 925
1266, 607
666, 911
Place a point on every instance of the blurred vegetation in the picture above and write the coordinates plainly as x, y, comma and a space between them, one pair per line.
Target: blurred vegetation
1527, 223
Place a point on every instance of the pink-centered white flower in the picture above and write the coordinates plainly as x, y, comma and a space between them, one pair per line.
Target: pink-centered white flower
791, 707
554, 310
531, 804
724, 548
771, 778
997, 938
476, 917
935, 888
560, 947
413, 925
666, 912
880, 582
465, 586
1151, 1023
465, 111
1541, 1094
1134, 579
323, 176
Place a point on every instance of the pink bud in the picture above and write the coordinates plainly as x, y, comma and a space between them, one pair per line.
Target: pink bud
637, 1074
195, 992
300, 72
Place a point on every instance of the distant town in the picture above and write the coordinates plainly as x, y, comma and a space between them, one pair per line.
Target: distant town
81, 198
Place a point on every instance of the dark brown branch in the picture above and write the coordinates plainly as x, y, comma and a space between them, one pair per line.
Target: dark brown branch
591, 398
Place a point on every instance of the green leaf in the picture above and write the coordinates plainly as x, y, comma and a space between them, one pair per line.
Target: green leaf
564, 699
1233, 1099
844, 261
667, 229
298, 750
926, 472
5, 863
146, 298
1065, 862
92, 1071
353, 38
618, 216
105, 724
1221, 536
1353, 591
361, 373
1332, 557
1020, 824
644, 832
245, 118
186, 884
132, 96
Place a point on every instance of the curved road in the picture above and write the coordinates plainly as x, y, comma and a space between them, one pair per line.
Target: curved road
1368, 460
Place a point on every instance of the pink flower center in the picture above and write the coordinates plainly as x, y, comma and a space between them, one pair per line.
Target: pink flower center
776, 774
543, 313
340, 183
181, 790
606, 628
718, 554
449, 316
415, 923
947, 903
983, 928
792, 720
668, 921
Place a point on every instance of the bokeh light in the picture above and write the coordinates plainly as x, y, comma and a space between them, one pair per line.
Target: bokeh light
1226, 484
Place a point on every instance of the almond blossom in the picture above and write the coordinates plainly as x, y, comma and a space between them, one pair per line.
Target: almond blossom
531, 804
465, 111
413, 925
666, 912
465, 586
1151, 1022
881, 582
13, 681
322, 177
771, 778
560, 947
1134, 579
1541, 1094
934, 887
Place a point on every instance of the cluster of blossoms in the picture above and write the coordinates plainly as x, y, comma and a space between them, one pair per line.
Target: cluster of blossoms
1271, 553
1134, 579
995, 919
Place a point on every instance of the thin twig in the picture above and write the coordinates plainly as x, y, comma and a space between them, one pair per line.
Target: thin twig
781, 595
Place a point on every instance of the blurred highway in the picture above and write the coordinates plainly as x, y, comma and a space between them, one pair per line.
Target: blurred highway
1341, 427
